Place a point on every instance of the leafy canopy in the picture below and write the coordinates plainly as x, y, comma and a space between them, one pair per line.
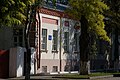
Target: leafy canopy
93, 11
13, 11
113, 14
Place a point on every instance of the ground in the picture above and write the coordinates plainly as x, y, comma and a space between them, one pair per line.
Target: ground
50, 78
111, 78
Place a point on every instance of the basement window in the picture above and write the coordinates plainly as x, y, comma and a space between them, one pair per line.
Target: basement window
55, 68
44, 69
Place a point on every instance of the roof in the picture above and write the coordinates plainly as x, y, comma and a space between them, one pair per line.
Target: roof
54, 12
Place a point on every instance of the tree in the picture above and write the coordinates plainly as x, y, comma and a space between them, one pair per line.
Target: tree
16, 12
113, 21
13, 11
90, 14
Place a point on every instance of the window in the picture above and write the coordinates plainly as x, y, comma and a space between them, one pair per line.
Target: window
66, 42
55, 40
44, 39
75, 42
44, 69
64, 2
55, 68
66, 23
18, 37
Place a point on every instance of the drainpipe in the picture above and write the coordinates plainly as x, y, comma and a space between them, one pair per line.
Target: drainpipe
60, 44
69, 48
39, 37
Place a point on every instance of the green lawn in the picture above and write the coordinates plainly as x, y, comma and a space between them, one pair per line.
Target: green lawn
77, 76
99, 74
73, 76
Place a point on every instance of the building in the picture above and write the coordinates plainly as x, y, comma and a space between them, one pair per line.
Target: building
55, 39
58, 42
55, 43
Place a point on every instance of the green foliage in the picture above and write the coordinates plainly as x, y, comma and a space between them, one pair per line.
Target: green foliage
113, 13
93, 11
13, 11
93, 50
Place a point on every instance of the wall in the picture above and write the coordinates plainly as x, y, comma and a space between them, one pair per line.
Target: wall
51, 59
70, 58
12, 62
33, 52
6, 38
16, 62
4, 63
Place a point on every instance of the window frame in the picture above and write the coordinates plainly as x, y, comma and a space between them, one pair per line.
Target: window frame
66, 42
18, 34
76, 42
45, 41
44, 69
55, 69
55, 41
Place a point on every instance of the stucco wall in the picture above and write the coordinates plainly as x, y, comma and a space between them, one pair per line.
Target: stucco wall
51, 59
12, 62
16, 62
50, 27
6, 38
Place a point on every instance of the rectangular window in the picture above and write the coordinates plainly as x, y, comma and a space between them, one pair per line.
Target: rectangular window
66, 42
55, 68
18, 37
15, 39
44, 69
44, 39
55, 40
75, 42
66, 23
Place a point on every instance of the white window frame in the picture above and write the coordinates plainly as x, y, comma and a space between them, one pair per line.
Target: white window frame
44, 42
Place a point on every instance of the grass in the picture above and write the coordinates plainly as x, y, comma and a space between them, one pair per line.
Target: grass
73, 76
99, 74
77, 76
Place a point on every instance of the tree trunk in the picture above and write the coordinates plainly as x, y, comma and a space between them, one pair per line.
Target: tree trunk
27, 46
84, 47
84, 67
116, 52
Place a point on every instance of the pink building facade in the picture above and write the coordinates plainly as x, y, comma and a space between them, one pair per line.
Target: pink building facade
58, 49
